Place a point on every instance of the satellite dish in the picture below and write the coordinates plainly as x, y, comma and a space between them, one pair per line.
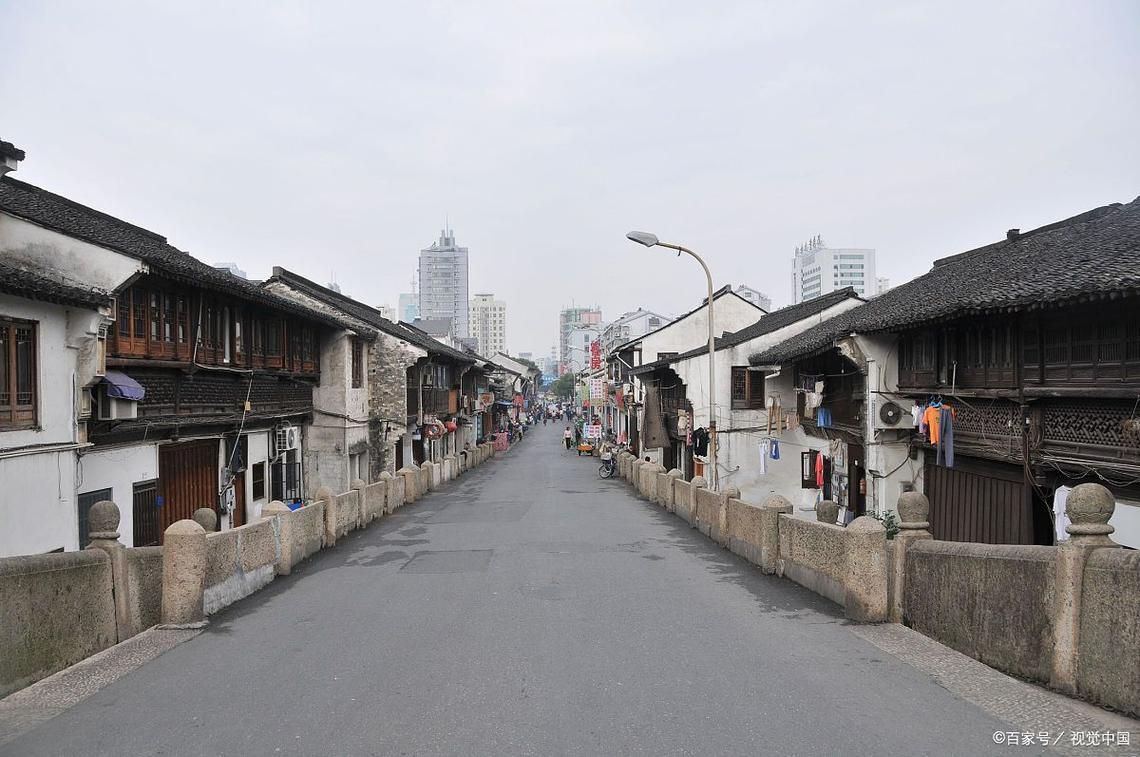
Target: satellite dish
890, 414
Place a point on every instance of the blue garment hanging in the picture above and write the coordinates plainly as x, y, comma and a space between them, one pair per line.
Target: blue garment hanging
775, 449
823, 417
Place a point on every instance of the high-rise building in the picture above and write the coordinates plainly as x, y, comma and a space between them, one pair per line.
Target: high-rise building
818, 269
488, 324
443, 283
569, 319
409, 308
755, 296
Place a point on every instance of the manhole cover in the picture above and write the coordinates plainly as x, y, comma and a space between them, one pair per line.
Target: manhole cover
457, 561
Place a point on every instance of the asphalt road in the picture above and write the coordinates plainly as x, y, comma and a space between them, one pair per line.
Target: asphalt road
527, 608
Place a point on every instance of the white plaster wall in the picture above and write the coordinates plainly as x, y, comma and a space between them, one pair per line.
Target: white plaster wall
38, 511
57, 365
119, 469
730, 313
77, 261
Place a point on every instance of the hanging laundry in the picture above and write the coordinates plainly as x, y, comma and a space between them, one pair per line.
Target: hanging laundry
933, 418
1060, 519
823, 418
818, 470
765, 449
701, 442
916, 415
775, 449
945, 453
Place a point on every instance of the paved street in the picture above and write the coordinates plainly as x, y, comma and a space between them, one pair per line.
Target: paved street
528, 608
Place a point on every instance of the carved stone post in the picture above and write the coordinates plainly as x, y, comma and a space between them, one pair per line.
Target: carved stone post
280, 512
1089, 508
865, 581
827, 512
103, 525
914, 526
207, 518
770, 513
184, 562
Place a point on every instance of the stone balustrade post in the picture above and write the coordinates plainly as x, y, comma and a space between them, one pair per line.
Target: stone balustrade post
865, 580
358, 485
184, 562
283, 527
325, 495
389, 505
103, 530
207, 518
1089, 507
671, 489
827, 512
914, 526
770, 513
721, 533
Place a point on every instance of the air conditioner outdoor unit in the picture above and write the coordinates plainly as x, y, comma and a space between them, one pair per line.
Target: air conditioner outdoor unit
891, 415
114, 408
288, 438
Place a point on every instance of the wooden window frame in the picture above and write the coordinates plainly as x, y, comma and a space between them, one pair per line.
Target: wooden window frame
357, 362
15, 415
743, 388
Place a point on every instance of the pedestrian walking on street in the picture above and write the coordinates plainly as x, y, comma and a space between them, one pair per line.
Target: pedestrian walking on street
567, 436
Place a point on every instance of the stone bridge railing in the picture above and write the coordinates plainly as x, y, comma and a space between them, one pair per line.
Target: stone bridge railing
58, 609
1065, 616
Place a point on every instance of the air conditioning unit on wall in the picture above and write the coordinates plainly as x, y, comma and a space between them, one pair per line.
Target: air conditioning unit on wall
288, 438
890, 415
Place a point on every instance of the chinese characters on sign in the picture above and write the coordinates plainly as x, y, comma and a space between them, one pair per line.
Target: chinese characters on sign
597, 388
594, 432
595, 354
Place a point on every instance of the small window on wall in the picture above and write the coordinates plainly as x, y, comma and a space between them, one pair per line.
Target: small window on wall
18, 374
357, 363
747, 388
259, 480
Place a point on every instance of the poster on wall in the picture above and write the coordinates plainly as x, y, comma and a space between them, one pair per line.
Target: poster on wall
597, 388
594, 431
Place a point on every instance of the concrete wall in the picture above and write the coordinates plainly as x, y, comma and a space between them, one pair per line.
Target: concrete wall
731, 313
57, 610
119, 469
144, 589
990, 601
814, 555
50, 251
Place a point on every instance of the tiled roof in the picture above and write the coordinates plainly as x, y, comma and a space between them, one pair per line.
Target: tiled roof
724, 291
368, 315
1089, 256
54, 212
35, 286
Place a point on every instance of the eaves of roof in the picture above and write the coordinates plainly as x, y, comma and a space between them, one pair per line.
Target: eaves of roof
35, 286
78, 221
723, 291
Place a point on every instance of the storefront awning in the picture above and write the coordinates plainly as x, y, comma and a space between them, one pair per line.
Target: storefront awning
121, 386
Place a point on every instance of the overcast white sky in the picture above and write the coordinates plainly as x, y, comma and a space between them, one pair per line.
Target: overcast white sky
332, 138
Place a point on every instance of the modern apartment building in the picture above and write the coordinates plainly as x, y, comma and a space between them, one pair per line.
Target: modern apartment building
629, 326
443, 283
488, 321
755, 296
818, 269
569, 319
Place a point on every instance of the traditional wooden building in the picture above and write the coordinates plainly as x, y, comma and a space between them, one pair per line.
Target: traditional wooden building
205, 381
1034, 342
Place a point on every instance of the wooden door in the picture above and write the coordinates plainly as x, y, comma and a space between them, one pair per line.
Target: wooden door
187, 479
979, 501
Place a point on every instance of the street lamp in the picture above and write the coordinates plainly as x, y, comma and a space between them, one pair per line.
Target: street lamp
651, 240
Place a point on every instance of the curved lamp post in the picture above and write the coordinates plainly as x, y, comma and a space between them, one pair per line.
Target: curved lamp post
651, 240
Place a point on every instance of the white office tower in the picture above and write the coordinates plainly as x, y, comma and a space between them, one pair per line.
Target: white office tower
489, 324
818, 269
443, 283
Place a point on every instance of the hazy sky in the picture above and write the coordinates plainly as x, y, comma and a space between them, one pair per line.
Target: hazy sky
333, 138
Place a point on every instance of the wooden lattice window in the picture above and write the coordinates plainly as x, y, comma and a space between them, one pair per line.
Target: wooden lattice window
747, 388
357, 362
18, 374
